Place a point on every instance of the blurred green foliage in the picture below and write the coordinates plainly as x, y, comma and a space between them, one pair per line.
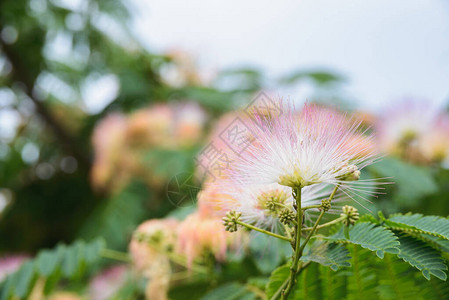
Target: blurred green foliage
47, 89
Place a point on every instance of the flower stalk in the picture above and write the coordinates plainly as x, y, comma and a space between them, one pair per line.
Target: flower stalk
311, 206
249, 226
176, 258
298, 248
115, 255
333, 222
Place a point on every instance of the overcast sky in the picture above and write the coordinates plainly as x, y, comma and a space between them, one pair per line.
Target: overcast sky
387, 48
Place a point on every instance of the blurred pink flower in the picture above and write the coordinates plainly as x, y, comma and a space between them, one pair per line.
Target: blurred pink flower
169, 126
415, 131
189, 123
120, 143
146, 257
182, 71
212, 201
151, 126
151, 261
109, 142
199, 235
11, 263
104, 285
434, 145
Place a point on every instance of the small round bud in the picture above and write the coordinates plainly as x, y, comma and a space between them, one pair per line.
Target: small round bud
286, 216
230, 221
325, 204
351, 213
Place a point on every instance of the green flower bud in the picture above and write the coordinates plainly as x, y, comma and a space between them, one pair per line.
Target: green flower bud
325, 204
351, 213
230, 221
286, 216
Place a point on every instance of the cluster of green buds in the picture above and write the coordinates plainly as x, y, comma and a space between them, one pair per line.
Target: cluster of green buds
287, 216
351, 215
326, 204
230, 220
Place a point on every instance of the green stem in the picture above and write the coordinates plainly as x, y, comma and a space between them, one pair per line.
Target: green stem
115, 255
299, 249
264, 231
336, 221
178, 259
257, 291
301, 267
280, 289
316, 226
287, 231
296, 255
311, 206
334, 192
311, 232
181, 275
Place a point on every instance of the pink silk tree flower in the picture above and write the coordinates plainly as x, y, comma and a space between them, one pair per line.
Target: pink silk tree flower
150, 126
104, 285
145, 257
199, 235
213, 201
401, 126
434, 145
109, 142
11, 263
151, 260
415, 131
293, 150
189, 123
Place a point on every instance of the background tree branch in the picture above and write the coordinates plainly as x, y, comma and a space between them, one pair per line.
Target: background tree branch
69, 143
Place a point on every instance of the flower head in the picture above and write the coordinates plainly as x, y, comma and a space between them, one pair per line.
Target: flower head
297, 151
